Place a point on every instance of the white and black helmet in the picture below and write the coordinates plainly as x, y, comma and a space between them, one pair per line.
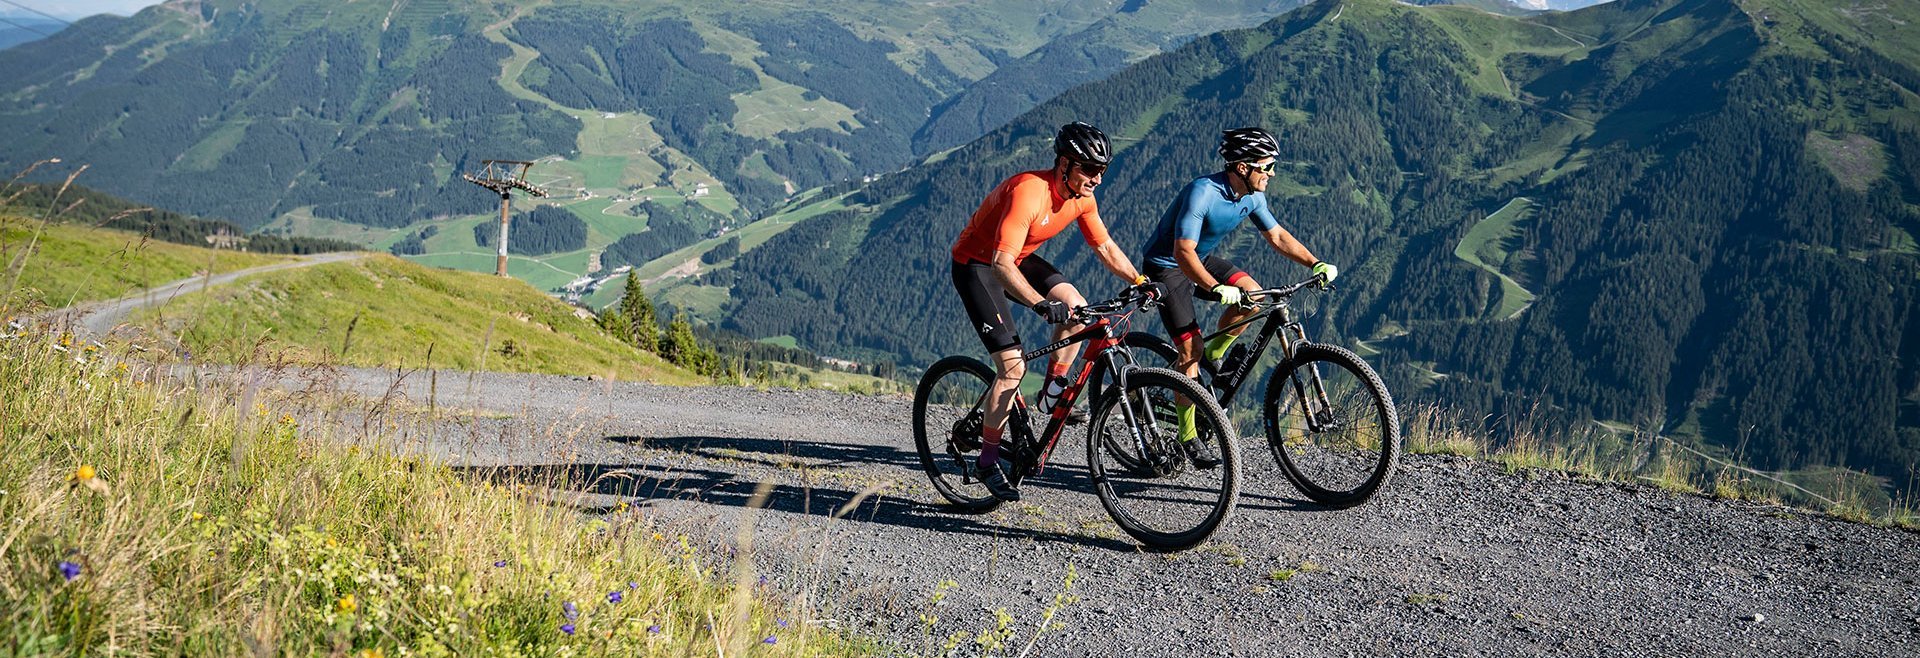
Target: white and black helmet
1083, 144
1247, 145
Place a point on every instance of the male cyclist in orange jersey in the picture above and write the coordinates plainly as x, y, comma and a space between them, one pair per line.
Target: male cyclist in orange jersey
1180, 257
993, 261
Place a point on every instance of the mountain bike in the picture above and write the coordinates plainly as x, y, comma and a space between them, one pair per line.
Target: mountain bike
1159, 498
1330, 422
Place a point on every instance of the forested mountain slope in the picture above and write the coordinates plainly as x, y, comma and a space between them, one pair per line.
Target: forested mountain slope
366, 112
1692, 216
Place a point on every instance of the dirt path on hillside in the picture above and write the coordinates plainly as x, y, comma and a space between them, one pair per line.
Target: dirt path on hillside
93, 320
1455, 558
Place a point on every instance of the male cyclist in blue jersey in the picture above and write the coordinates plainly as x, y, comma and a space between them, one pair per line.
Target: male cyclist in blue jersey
1180, 257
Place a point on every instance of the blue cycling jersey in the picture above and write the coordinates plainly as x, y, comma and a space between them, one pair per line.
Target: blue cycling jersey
1203, 214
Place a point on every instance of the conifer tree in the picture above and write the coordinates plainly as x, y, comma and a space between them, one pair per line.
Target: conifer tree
644, 329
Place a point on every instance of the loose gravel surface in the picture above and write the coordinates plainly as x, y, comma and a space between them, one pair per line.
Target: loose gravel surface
1455, 557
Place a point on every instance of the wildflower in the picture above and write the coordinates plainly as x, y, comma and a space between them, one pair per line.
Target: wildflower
630, 584
500, 564
372, 653
69, 570
346, 604
782, 623
770, 640
567, 628
197, 516
763, 580
569, 611
653, 630
615, 597
84, 473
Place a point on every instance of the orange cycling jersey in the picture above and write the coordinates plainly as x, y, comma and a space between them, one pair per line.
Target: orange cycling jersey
1020, 214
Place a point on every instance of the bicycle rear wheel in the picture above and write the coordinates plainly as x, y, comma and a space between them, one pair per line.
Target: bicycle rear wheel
1341, 453
1170, 504
948, 407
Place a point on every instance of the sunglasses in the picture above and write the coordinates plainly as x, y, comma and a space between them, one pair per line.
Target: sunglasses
1265, 168
1091, 170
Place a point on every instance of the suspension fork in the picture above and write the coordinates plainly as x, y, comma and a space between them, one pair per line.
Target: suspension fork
1318, 418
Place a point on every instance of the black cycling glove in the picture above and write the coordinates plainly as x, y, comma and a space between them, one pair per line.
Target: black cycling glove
1054, 311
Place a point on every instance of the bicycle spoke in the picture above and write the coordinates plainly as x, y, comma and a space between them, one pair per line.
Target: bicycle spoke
1150, 485
1340, 453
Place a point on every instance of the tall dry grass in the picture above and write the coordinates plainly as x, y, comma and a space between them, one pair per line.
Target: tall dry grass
151, 515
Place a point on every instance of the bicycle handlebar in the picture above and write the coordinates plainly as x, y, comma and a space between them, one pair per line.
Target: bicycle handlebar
1132, 296
1279, 295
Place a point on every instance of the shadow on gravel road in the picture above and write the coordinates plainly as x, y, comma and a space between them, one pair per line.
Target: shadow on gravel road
778, 452
713, 487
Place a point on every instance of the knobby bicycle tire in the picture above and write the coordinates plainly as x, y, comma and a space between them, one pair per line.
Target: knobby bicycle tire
1342, 467
945, 451
1144, 517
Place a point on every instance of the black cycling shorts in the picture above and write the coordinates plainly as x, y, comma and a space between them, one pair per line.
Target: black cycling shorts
986, 300
1176, 310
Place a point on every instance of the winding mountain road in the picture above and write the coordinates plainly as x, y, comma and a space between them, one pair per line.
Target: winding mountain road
93, 320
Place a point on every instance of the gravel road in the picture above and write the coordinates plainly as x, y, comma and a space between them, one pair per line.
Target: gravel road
1455, 557
96, 319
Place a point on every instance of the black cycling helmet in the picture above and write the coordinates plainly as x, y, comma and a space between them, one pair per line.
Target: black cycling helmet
1247, 145
1083, 144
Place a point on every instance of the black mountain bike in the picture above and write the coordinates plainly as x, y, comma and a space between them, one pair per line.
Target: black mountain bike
1158, 497
1330, 421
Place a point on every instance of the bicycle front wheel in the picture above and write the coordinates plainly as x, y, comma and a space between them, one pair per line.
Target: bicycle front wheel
1148, 351
948, 407
1170, 503
1339, 448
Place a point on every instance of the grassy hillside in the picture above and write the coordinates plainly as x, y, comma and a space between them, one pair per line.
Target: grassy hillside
383, 311
71, 264
171, 520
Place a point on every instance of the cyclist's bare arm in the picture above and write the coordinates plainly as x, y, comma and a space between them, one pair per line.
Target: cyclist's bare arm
1015, 282
1187, 254
1284, 242
1095, 231
1116, 261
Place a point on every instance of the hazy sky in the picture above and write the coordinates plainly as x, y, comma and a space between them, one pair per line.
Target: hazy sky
72, 9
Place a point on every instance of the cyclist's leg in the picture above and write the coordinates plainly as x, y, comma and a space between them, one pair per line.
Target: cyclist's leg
986, 305
1008, 368
1049, 282
1224, 271
1176, 313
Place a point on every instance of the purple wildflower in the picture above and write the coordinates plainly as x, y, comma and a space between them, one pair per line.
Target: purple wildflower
782, 623
763, 580
501, 564
566, 628
770, 640
633, 585
615, 597
653, 630
569, 611
69, 569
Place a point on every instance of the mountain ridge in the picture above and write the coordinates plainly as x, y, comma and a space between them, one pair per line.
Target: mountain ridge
1688, 185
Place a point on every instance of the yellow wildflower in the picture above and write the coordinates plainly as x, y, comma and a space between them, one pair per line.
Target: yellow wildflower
84, 473
372, 653
346, 604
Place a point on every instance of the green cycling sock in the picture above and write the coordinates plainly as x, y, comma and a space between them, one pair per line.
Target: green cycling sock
1187, 429
1217, 347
